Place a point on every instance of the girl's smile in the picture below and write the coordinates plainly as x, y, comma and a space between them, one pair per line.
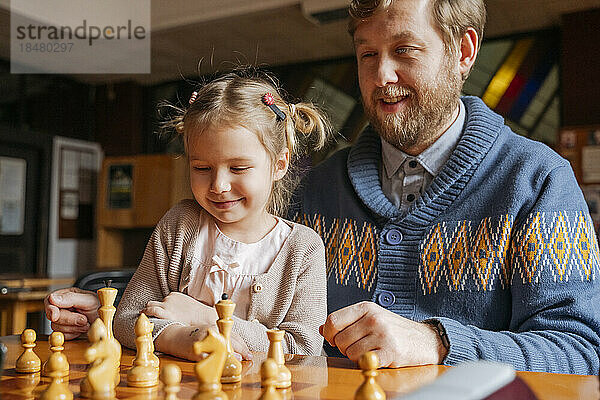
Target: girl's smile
226, 204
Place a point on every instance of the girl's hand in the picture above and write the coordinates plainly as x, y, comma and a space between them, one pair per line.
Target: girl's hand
178, 341
239, 347
182, 308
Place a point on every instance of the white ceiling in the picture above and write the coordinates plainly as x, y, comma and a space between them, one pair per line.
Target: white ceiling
277, 32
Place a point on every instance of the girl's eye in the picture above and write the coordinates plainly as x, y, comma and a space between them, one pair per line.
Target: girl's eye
201, 169
239, 169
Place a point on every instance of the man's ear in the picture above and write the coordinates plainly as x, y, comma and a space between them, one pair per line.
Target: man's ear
469, 47
281, 164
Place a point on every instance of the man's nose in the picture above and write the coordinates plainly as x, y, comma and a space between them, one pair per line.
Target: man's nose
386, 72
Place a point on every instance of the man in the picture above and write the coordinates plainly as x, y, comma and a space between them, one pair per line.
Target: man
448, 237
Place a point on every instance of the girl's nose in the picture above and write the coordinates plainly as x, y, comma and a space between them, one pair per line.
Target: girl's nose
220, 184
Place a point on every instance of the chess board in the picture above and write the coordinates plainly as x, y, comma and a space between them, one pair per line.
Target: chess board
312, 377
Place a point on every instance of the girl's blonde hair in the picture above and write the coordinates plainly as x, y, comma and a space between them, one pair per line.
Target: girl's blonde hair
235, 99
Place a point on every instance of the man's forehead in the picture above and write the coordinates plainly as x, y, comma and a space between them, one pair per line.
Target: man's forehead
398, 36
404, 19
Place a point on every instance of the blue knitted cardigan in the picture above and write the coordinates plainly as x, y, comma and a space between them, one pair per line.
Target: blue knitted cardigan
500, 247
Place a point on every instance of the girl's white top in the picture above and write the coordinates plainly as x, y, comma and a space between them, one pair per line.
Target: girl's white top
223, 265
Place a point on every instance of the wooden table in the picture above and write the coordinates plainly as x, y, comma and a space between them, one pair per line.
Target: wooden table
313, 377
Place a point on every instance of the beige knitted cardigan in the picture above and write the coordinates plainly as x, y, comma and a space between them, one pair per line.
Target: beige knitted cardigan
291, 295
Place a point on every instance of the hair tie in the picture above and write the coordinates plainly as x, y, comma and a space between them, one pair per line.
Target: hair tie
269, 101
193, 97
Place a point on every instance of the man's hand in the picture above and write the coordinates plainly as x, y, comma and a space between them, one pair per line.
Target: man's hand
71, 311
183, 308
397, 341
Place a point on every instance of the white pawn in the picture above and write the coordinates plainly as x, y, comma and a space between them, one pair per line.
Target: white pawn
170, 376
54, 368
369, 389
57, 339
28, 362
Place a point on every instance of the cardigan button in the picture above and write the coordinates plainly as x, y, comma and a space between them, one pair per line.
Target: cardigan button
385, 298
255, 321
257, 288
393, 236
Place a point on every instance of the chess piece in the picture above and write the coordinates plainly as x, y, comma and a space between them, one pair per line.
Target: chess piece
170, 377
99, 382
28, 362
369, 389
208, 370
143, 373
232, 371
269, 373
55, 368
57, 339
284, 377
106, 312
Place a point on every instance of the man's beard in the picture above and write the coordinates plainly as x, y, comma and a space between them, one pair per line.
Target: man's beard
430, 107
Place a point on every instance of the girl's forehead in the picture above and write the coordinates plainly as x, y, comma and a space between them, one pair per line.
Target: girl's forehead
222, 131
220, 141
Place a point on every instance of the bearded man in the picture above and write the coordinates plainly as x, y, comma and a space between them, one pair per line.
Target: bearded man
448, 237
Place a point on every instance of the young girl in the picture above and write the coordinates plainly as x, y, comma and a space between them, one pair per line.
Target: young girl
239, 136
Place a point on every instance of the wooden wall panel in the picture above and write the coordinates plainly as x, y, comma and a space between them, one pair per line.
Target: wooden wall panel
580, 68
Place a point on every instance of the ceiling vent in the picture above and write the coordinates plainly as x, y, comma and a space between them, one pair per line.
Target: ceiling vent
325, 11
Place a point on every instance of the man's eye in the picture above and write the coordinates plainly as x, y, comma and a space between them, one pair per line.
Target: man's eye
367, 55
402, 50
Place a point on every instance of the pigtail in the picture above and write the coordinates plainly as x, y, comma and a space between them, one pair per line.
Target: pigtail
306, 128
171, 125
177, 123
306, 119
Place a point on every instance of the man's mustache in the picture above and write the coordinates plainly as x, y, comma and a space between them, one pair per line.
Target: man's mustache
393, 91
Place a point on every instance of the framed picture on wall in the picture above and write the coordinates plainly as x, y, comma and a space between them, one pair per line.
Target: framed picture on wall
120, 186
